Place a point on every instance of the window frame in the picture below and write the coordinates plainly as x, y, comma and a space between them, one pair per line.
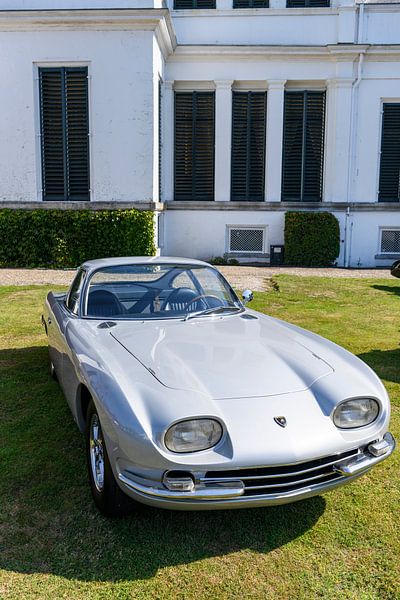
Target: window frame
195, 7
381, 231
194, 94
384, 101
57, 66
305, 92
230, 227
249, 93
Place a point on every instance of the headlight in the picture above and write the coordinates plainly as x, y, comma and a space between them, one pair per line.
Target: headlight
357, 412
193, 435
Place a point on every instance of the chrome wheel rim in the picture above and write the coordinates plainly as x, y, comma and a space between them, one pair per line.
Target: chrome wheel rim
96, 453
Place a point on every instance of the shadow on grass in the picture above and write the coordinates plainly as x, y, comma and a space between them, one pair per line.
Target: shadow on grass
385, 363
48, 523
395, 290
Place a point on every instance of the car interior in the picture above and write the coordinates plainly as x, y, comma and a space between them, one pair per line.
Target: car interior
176, 292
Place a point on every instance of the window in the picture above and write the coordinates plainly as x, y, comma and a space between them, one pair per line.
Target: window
188, 4
75, 292
64, 133
248, 146
307, 3
303, 146
389, 176
390, 241
250, 3
194, 145
249, 240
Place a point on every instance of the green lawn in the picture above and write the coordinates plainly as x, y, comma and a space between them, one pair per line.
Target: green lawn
53, 543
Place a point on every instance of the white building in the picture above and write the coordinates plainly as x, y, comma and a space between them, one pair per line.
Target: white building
295, 105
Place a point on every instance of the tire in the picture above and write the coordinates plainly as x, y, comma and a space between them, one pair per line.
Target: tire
107, 495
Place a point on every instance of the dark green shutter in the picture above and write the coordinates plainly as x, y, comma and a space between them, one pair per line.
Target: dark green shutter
64, 133
389, 175
303, 146
250, 3
307, 3
194, 145
248, 146
189, 4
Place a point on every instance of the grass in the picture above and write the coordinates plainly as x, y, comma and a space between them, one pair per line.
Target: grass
53, 544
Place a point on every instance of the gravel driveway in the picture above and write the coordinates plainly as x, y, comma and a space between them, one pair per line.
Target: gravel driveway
255, 278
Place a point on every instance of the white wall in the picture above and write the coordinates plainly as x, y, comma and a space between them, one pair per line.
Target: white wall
76, 4
121, 110
263, 27
202, 234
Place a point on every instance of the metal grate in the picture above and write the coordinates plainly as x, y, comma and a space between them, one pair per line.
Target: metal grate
283, 478
390, 241
246, 240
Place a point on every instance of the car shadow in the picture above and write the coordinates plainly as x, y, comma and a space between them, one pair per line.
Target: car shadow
48, 523
395, 289
385, 363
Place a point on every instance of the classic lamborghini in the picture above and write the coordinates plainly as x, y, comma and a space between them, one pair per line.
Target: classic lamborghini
190, 400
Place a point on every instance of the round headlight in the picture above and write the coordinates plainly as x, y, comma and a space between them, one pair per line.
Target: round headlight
193, 435
357, 412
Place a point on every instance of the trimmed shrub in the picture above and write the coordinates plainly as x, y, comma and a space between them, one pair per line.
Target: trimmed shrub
312, 239
66, 238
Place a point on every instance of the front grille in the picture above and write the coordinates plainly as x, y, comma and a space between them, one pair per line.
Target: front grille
282, 478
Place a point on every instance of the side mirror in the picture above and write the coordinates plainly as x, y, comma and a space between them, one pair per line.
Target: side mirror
247, 296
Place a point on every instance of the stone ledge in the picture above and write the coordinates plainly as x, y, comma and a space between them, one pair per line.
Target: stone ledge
285, 206
153, 206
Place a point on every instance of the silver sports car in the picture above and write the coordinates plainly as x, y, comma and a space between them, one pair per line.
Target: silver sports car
189, 400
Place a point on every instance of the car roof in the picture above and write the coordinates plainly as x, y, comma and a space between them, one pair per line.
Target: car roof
100, 263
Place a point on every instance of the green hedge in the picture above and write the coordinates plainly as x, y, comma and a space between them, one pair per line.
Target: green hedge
312, 239
66, 238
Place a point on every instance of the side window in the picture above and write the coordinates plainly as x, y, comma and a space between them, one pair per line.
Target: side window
75, 292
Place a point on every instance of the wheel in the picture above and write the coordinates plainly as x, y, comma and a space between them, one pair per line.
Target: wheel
107, 495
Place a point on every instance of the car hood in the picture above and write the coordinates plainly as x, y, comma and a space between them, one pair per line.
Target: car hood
224, 357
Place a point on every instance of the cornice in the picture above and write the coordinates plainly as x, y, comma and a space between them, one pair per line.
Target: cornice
140, 19
331, 52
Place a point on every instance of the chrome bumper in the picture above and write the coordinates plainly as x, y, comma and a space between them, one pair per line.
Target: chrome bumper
231, 494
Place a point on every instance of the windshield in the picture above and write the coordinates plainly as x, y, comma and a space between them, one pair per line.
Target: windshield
157, 291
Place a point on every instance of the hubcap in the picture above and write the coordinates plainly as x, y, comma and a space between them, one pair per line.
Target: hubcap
96, 452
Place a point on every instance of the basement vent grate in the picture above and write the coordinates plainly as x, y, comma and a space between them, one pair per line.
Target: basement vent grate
390, 241
246, 239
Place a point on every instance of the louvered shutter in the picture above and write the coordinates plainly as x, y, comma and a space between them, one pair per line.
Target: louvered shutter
389, 175
303, 146
194, 146
248, 146
250, 3
52, 134
76, 94
64, 133
307, 3
189, 4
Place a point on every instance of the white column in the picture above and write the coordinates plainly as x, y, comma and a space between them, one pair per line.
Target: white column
273, 166
224, 4
337, 139
167, 141
223, 135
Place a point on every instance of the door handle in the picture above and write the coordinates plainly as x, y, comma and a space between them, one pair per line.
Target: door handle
49, 320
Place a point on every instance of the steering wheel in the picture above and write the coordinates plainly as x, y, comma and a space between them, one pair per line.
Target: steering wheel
203, 297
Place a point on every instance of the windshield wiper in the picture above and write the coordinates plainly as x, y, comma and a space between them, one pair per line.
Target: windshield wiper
211, 311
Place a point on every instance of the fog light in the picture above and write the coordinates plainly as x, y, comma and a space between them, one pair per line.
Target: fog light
178, 482
379, 448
